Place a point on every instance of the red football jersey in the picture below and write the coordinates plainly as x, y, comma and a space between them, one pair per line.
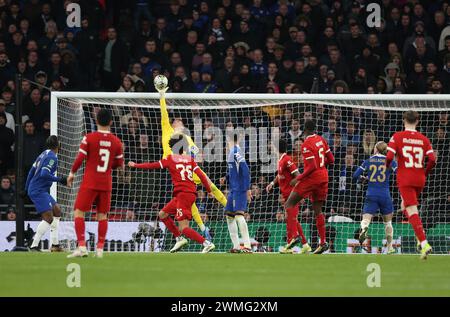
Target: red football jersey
103, 151
410, 147
286, 170
181, 168
315, 148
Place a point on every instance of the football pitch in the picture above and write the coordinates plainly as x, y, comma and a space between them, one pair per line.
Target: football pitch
216, 274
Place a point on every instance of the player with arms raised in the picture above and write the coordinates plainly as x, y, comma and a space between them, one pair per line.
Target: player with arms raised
378, 196
40, 178
177, 127
103, 152
313, 182
181, 167
287, 171
410, 148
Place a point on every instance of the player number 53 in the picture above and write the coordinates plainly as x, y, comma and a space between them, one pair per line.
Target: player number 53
104, 157
414, 156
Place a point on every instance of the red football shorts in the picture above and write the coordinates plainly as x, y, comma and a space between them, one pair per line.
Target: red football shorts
87, 197
410, 195
313, 191
180, 206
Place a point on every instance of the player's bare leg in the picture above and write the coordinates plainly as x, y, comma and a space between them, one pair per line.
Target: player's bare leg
44, 225
320, 224
80, 229
54, 232
416, 224
102, 219
190, 233
389, 231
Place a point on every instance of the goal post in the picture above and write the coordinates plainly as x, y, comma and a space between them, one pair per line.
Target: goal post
352, 124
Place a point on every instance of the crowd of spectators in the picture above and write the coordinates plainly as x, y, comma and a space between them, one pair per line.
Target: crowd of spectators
261, 46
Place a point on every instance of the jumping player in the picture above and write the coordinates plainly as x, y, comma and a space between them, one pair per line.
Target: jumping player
378, 196
103, 152
313, 182
181, 167
410, 148
177, 127
40, 178
287, 171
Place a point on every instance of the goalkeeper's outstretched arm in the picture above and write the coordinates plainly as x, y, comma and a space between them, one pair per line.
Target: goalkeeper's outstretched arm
166, 127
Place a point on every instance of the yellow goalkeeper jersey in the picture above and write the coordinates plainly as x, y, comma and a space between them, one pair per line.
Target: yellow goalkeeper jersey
168, 131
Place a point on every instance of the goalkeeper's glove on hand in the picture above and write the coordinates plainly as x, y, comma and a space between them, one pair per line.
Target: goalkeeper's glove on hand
207, 234
162, 92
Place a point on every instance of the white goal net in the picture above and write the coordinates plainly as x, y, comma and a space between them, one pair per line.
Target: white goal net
352, 125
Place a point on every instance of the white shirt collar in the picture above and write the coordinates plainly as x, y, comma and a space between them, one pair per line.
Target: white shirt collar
310, 135
412, 130
103, 131
281, 157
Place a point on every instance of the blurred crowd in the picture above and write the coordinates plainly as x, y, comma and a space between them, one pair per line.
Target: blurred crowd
264, 46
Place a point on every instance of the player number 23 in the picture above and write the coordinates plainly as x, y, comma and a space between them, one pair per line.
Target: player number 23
413, 156
184, 170
104, 157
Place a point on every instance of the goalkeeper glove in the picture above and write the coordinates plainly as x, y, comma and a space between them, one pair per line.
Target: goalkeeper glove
162, 91
63, 180
207, 234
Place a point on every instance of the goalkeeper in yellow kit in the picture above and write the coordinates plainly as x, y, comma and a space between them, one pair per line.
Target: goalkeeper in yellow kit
168, 130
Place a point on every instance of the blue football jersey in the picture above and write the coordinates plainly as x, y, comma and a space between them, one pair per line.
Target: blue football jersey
238, 173
378, 175
42, 173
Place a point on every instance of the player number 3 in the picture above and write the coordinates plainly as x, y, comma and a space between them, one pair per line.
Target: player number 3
104, 157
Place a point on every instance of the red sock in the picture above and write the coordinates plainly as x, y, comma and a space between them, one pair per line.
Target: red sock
102, 229
291, 223
80, 231
320, 224
170, 224
193, 235
300, 232
416, 223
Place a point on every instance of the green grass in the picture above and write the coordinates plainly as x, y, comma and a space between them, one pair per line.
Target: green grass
152, 274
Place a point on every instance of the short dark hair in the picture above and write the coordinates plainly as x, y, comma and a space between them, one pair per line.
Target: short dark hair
411, 116
282, 146
104, 117
310, 125
52, 142
179, 143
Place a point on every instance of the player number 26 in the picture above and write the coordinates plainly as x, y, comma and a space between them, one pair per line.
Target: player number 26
184, 171
104, 157
413, 156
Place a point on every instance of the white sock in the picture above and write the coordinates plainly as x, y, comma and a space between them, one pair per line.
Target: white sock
233, 229
54, 236
365, 223
423, 243
40, 231
389, 230
243, 228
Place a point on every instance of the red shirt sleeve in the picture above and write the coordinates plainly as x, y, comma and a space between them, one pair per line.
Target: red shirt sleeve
119, 159
329, 157
392, 151
151, 165
82, 154
202, 177
290, 166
